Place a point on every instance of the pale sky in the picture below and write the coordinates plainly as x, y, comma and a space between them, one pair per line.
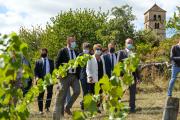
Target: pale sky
17, 13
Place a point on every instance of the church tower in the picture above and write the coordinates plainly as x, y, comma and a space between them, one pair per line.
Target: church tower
154, 19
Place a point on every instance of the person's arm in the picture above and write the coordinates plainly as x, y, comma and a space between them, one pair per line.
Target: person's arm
36, 69
36, 72
89, 71
176, 58
52, 66
137, 75
78, 69
121, 56
59, 58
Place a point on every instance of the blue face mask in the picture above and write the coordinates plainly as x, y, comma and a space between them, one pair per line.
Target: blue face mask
73, 45
130, 46
98, 52
86, 51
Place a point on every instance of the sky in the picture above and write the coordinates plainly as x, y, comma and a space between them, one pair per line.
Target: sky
28, 13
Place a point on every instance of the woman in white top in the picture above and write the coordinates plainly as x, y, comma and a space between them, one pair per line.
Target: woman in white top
95, 68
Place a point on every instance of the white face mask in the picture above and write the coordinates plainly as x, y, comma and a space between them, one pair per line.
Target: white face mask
85, 51
98, 52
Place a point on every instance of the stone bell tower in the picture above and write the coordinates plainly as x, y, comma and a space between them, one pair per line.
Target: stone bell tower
154, 19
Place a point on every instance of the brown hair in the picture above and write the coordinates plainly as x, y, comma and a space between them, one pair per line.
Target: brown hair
44, 49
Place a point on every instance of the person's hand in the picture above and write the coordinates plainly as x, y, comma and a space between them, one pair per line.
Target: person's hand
35, 80
90, 79
138, 81
58, 86
59, 77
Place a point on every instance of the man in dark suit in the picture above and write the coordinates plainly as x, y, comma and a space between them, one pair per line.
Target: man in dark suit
44, 66
72, 79
110, 59
122, 54
83, 75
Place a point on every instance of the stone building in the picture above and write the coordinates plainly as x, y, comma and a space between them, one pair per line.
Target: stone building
154, 19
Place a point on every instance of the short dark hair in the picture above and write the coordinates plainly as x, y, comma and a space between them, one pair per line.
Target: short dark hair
68, 37
44, 49
104, 49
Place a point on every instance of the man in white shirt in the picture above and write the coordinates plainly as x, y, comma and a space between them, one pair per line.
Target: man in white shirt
71, 80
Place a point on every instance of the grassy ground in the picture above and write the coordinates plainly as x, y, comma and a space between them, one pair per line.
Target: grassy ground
150, 102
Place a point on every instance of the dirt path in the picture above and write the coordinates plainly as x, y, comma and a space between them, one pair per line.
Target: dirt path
149, 106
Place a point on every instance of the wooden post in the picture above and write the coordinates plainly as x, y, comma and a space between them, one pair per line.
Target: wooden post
171, 109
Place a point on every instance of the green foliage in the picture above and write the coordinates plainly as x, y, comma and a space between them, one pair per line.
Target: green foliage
78, 115
14, 104
85, 24
113, 89
174, 22
11, 95
90, 104
80, 61
13, 73
121, 25
33, 37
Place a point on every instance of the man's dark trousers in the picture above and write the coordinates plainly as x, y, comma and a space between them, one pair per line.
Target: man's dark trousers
48, 99
132, 92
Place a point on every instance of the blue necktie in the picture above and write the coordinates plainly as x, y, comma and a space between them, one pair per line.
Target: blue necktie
44, 67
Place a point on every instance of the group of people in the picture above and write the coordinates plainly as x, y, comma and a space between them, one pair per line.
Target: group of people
101, 63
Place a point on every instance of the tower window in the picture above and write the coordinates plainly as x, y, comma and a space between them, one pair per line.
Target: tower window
156, 25
154, 17
159, 17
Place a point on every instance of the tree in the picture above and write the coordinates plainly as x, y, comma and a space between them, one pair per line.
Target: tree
32, 37
122, 24
174, 22
85, 25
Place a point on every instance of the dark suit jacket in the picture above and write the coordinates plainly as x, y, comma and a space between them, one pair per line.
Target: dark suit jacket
122, 55
175, 55
108, 66
63, 57
82, 74
39, 68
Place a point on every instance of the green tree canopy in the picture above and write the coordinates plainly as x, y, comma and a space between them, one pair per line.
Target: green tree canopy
122, 23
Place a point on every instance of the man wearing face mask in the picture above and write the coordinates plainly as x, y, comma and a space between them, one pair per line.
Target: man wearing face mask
122, 54
83, 75
42, 67
72, 79
110, 59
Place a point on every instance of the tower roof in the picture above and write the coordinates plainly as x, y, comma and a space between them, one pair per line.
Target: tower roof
156, 8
